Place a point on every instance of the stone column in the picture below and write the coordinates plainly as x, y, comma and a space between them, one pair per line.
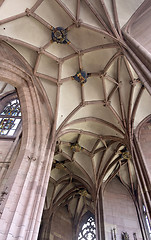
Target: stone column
27, 182
140, 60
99, 217
143, 177
140, 57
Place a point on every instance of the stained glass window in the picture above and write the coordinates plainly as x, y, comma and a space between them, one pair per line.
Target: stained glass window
88, 230
10, 118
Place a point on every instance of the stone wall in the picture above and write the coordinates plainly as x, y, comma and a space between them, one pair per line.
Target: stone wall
61, 227
4, 149
120, 212
145, 144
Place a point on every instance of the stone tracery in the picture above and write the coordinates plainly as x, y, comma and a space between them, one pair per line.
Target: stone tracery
88, 231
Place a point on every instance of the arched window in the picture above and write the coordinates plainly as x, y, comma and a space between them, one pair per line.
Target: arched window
88, 228
10, 118
147, 221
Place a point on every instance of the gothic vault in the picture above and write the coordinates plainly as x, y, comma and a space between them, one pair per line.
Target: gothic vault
81, 149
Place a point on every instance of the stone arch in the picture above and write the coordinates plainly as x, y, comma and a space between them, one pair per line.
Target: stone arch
25, 185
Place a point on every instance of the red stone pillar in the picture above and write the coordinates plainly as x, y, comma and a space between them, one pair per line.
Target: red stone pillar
26, 184
143, 176
99, 217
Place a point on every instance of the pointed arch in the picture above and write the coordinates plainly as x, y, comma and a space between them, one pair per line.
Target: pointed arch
87, 227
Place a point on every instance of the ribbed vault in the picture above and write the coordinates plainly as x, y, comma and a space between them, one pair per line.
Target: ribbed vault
93, 121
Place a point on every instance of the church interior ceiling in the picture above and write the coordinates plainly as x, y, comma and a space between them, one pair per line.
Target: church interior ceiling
76, 49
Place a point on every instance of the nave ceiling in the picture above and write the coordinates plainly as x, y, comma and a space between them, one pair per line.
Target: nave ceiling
95, 120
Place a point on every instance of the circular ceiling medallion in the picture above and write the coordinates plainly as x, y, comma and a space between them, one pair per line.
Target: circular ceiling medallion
81, 77
59, 35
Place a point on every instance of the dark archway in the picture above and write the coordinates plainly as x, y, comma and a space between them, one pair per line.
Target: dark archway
87, 227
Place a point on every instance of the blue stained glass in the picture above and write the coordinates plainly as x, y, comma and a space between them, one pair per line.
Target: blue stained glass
12, 108
8, 125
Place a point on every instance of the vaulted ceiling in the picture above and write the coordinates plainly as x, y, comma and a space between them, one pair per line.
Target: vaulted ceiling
5, 89
94, 120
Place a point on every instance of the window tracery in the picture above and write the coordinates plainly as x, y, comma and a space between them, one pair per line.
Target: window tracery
88, 230
10, 118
